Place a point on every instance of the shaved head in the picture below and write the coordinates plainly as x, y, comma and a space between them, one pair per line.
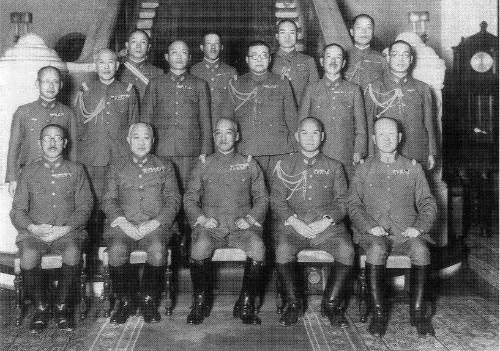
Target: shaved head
226, 123
140, 125
104, 52
310, 120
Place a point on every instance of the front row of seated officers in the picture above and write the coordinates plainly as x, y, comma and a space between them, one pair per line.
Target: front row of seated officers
226, 201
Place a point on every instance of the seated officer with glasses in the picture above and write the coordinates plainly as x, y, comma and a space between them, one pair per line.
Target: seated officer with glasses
264, 108
51, 206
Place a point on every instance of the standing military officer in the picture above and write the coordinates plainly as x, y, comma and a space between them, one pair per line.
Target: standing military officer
140, 202
105, 108
226, 203
339, 105
177, 105
136, 69
51, 206
400, 96
265, 110
393, 210
217, 74
29, 119
308, 198
298, 68
364, 64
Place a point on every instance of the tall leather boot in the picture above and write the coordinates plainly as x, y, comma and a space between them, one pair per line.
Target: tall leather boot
120, 277
35, 283
293, 307
151, 282
333, 305
419, 276
375, 276
251, 281
65, 296
199, 272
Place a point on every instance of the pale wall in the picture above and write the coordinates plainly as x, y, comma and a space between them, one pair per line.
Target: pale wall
51, 18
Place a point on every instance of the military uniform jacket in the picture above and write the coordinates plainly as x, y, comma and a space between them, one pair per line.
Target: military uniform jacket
411, 105
309, 188
52, 193
265, 111
339, 106
178, 108
142, 190
128, 74
27, 123
364, 66
392, 195
104, 114
217, 75
226, 187
299, 67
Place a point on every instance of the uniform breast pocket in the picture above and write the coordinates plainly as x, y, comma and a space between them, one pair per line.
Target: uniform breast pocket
38, 189
190, 97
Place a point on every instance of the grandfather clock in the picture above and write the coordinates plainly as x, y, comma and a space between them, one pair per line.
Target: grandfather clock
475, 69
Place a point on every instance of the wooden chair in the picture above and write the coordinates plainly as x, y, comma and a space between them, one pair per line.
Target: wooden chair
303, 257
393, 262
49, 262
136, 257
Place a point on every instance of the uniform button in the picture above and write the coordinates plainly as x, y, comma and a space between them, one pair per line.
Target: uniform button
212, 89
54, 206
310, 176
176, 113
177, 102
141, 187
388, 177
107, 112
213, 79
310, 186
107, 103
310, 199
140, 175
53, 194
53, 182
31, 129
388, 189
107, 122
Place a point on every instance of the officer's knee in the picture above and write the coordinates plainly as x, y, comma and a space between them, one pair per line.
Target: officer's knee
256, 249
30, 258
346, 253
118, 254
157, 254
201, 249
377, 253
419, 252
71, 255
285, 253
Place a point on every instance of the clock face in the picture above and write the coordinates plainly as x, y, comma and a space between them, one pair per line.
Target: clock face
481, 62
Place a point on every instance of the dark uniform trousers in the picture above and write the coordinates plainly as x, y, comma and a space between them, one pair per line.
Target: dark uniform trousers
227, 187
310, 188
395, 196
54, 193
364, 66
178, 108
139, 74
140, 190
339, 106
265, 110
300, 69
217, 74
27, 123
408, 101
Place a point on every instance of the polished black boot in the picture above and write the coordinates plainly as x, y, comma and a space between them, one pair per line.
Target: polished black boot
293, 307
35, 283
251, 281
334, 298
418, 317
151, 280
65, 297
375, 275
120, 277
199, 309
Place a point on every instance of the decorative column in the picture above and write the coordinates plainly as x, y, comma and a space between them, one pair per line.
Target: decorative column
18, 69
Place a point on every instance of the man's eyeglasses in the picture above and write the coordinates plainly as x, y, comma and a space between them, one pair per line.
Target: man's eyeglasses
259, 57
48, 139
400, 54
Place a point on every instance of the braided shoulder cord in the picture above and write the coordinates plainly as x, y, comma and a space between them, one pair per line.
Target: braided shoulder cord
397, 95
292, 182
241, 96
89, 116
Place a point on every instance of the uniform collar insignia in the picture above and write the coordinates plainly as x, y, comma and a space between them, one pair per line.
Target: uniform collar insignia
52, 164
211, 64
259, 77
287, 55
311, 161
177, 77
398, 80
332, 83
140, 161
47, 104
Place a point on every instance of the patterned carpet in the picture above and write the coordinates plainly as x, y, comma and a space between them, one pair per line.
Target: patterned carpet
461, 323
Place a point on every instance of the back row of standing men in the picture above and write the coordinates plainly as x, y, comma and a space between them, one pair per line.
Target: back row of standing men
267, 106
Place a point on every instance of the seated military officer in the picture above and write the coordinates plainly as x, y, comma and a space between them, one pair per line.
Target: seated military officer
141, 201
226, 202
392, 209
51, 206
308, 196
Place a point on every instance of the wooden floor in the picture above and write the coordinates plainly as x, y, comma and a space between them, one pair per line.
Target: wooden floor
466, 318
